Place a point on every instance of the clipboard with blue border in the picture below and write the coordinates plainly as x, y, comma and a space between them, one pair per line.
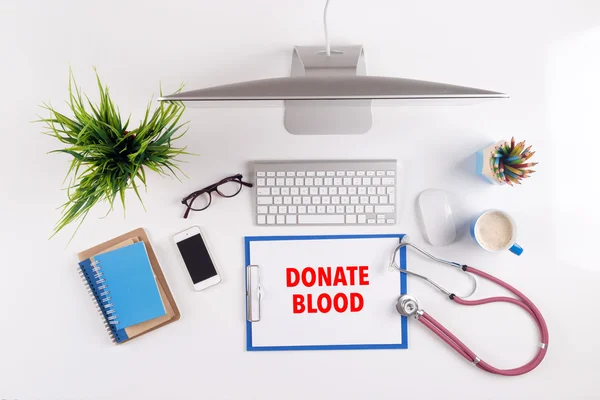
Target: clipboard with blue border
253, 310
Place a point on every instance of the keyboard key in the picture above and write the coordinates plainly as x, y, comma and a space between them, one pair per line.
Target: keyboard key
282, 210
301, 209
370, 221
362, 219
387, 181
280, 173
314, 190
306, 200
311, 209
277, 200
337, 181
323, 191
340, 173
301, 173
316, 200
360, 209
369, 209
366, 181
335, 200
349, 209
290, 173
376, 181
347, 181
294, 191
380, 190
321, 209
325, 200
371, 190
287, 200
384, 209
345, 200
357, 181
360, 173
261, 219
374, 200
260, 182
270, 182
364, 199
390, 221
275, 191
318, 181
304, 191
270, 173
309, 182
383, 199
343, 190
350, 173
340, 209
390, 173
351, 219
352, 190
320, 173
292, 209
297, 200
264, 200
362, 190
390, 190
321, 219
272, 209
261, 191
370, 173
290, 181
262, 209
260, 173
328, 181
392, 198
290, 219
280, 219
330, 209
333, 190
270, 219
298, 182
285, 191
354, 200
310, 173
280, 181
380, 173
330, 173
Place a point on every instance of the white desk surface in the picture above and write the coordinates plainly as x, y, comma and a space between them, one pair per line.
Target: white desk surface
544, 54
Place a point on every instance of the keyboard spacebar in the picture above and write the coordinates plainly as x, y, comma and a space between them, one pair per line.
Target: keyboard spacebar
321, 219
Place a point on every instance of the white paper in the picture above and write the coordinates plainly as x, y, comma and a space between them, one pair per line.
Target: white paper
376, 323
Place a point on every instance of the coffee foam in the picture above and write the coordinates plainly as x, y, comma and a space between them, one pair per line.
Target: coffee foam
494, 230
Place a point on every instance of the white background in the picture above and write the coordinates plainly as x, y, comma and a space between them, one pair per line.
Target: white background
543, 53
377, 322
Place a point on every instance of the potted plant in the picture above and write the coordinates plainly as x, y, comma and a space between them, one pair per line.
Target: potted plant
108, 155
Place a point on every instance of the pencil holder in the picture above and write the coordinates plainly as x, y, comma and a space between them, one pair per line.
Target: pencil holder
504, 162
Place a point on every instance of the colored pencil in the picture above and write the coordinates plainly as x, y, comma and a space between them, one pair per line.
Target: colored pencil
524, 165
528, 156
513, 179
513, 170
512, 159
512, 143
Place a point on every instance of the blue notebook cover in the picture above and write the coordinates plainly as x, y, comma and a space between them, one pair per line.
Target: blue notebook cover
124, 286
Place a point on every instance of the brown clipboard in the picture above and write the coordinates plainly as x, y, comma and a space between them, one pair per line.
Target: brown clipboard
172, 311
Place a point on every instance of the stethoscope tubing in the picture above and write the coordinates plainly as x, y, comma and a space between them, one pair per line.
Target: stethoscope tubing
467, 353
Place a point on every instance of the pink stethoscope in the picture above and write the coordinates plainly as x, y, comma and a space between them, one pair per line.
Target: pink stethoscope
408, 306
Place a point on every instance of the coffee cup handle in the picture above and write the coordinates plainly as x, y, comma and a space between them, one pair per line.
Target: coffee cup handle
516, 249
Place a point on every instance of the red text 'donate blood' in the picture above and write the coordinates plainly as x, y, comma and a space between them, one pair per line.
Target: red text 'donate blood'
327, 277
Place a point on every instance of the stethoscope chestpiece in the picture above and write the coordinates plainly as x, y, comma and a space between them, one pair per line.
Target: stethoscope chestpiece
407, 305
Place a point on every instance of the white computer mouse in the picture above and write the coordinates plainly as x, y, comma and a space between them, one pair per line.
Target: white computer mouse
437, 217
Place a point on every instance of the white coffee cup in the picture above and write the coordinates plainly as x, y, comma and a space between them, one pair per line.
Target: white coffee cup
495, 230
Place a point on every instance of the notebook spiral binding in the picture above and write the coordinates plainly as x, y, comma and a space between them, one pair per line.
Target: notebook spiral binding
101, 298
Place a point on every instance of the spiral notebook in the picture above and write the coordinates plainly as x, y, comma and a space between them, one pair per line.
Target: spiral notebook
124, 288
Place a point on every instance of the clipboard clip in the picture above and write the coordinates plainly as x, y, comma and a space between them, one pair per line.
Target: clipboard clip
254, 293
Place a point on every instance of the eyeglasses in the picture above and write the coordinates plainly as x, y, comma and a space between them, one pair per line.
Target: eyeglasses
201, 199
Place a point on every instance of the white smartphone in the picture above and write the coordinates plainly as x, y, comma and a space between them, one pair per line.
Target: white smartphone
196, 258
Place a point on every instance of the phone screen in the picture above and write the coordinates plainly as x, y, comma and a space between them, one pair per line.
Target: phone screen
196, 258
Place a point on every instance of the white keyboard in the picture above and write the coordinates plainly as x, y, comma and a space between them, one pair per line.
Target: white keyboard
325, 192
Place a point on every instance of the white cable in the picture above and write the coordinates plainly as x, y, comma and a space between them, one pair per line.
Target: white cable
327, 44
